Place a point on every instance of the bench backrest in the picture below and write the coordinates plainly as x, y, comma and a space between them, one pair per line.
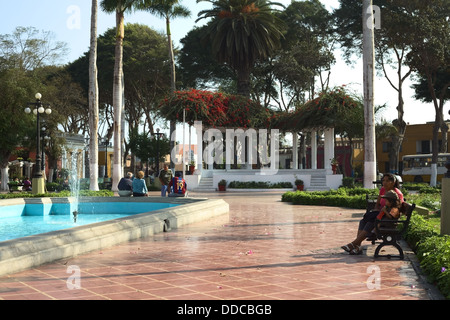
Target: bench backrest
406, 209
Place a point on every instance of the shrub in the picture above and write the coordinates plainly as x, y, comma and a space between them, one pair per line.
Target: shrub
432, 249
332, 198
62, 194
348, 182
434, 256
419, 228
259, 185
53, 186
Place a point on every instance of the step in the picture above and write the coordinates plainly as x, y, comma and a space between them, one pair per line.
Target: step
318, 183
205, 185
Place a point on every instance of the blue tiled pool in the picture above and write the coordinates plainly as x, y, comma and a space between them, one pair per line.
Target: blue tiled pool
22, 220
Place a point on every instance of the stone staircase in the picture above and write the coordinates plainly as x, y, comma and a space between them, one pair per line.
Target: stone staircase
318, 183
205, 185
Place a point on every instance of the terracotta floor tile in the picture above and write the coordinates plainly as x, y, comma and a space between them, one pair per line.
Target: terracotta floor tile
263, 249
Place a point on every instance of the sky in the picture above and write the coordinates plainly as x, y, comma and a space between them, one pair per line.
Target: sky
69, 20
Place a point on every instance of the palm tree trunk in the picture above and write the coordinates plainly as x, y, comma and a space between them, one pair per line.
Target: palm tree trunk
243, 81
368, 78
173, 88
117, 100
93, 102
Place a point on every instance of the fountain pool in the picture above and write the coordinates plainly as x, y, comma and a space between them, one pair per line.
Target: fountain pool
18, 221
36, 249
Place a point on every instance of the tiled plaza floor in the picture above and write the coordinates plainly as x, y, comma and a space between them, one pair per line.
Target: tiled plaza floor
263, 250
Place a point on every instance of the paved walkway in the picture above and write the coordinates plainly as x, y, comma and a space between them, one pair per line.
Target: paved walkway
263, 250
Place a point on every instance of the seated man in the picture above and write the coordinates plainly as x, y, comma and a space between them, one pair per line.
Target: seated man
177, 186
125, 185
27, 184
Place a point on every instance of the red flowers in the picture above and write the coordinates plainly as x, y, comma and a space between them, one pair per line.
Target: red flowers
214, 109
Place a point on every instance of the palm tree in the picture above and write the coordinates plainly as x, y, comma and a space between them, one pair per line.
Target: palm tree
119, 7
167, 9
93, 101
241, 32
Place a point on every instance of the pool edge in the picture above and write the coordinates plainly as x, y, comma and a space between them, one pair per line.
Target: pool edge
32, 251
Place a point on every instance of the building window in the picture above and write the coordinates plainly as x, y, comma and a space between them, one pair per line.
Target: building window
423, 146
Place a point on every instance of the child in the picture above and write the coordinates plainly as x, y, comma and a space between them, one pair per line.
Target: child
392, 208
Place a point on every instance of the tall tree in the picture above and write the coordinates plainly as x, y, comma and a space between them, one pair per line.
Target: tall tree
22, 53
391, 44
93, 101
168, 9
119, 7
241, 32
306, 52
144, 49
429, 56
368, 82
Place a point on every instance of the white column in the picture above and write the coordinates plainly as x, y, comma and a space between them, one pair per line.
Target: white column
199, 131
249, 152
274, 151
314, 149
229, 148
328, 150
295, 149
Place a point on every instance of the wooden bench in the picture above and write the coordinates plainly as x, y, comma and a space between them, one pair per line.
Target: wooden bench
391, 231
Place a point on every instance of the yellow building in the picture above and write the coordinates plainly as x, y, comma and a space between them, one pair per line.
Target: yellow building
418, 140
107, 158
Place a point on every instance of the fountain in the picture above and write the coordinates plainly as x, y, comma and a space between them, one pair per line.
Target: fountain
34, 231
74, 181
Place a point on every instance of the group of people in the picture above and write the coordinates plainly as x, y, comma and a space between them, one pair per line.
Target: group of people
25, 184
173, 186
388, 206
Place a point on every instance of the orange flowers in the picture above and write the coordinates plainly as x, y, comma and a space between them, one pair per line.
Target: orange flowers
250, 8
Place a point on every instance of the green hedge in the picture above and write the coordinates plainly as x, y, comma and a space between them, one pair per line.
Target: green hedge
432, 249
259, 185
342, 197
62, 194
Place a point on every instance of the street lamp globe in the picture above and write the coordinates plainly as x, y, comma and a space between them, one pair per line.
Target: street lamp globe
41, 109
38, 96
48, 111
27, 110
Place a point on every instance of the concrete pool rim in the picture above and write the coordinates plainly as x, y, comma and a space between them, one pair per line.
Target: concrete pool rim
24, 253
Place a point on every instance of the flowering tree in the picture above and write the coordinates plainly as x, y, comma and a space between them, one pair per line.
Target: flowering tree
214, 109
335, 108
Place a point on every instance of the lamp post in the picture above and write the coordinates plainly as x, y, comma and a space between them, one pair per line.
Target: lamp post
158, 134
106, 142
45, 138
38, 184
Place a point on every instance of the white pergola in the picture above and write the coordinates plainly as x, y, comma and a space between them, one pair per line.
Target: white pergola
243, 146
